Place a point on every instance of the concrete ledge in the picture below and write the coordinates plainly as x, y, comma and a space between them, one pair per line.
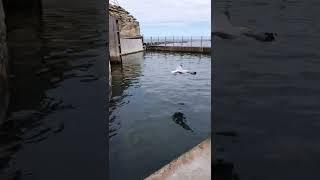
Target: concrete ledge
130, 45
193, 165
204, 50
132, 52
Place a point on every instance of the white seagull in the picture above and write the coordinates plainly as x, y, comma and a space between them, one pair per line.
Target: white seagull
179, 70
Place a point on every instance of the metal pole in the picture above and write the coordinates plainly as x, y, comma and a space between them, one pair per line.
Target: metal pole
182, 41
201, 42
173, 40
151, 40
158, 40
165, 41
191, 41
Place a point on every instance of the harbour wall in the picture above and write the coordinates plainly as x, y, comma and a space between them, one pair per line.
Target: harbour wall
114, 49
129, 46
204, 50
124, 34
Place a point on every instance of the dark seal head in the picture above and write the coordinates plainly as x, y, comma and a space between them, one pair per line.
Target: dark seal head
270, 36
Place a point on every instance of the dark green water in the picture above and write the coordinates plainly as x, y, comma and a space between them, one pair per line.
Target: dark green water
154, 115
56, 122
266, 107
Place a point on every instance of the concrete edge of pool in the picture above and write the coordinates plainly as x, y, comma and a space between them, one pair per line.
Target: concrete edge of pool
203, 50
194, 164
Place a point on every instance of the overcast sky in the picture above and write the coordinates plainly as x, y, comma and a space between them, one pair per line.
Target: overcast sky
171, 17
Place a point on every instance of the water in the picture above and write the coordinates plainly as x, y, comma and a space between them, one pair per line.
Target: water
56, 126
267, 93
147, 129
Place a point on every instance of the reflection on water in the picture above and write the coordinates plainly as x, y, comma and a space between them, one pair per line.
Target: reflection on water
154, 115
266, 113
4, 91
57, 91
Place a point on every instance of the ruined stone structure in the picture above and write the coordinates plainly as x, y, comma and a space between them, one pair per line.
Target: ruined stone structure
128, 25
124, 36
124, 33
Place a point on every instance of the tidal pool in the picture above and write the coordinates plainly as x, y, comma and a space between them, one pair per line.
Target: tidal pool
155, 116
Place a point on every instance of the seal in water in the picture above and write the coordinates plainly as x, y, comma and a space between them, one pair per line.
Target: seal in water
224, 29
180, 119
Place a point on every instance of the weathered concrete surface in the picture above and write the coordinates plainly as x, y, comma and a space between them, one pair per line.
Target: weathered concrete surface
204, 50
4, 95
193, 165
128, 38
131, 45
128, 25
114, 50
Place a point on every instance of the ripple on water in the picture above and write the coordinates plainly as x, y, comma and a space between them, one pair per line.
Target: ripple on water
163, 108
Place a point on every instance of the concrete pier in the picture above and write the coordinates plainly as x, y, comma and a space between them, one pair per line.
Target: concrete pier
114, 41
203, 50
192, 165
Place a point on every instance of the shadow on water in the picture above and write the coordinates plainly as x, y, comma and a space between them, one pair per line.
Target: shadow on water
4, 91
224, 171
28, 102
267, 92
53, 50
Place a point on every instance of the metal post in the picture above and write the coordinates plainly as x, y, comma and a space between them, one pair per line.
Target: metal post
201, 42
191, 41
165, 41
151, 40
182, 41
173, 40
158, 40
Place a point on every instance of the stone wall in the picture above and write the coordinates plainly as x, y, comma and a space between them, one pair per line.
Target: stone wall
129, 26
129, 30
